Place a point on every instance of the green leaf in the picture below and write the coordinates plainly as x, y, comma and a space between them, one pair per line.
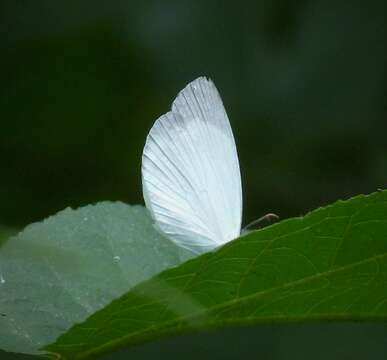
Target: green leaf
329, 265
58, 272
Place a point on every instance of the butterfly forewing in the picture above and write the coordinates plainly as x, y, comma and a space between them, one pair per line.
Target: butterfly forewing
190, 171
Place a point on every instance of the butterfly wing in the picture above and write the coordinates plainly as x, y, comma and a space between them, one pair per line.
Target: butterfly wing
190, 171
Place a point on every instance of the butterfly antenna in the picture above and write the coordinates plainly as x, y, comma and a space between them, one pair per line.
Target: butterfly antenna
270, 217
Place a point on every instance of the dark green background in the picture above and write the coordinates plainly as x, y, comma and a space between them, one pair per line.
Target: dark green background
81, 83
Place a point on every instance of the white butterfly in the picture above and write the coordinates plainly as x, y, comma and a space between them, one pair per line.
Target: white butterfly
190, 171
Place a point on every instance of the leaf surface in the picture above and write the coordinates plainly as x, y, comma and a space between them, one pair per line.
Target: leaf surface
58, 272
329, 265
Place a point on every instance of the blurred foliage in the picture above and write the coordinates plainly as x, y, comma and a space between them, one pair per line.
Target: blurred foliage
303, 81
341, 341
